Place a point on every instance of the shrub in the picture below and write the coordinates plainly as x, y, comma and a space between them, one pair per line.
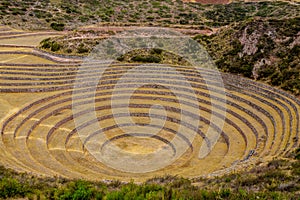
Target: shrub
156, 51
297, 156
78, 190
11, 188
82, 50
115, 195
58, 26
46, 43
55, 46
266, 71
146, 59
82, 191
276, 79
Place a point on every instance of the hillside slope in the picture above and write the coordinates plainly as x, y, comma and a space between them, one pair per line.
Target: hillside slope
71, 14
262, 49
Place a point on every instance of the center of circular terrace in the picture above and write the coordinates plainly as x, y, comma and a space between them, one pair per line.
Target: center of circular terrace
140, 145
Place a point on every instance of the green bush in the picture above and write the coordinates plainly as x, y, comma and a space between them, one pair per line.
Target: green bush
81, 50
46, 43
57, 26
297, 152
10, 187
55, 46
78, 190
156, 51
146, 59
266, 71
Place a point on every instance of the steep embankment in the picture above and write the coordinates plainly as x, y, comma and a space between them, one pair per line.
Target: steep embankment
267, 50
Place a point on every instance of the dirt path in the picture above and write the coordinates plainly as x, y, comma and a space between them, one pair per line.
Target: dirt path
183, 30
